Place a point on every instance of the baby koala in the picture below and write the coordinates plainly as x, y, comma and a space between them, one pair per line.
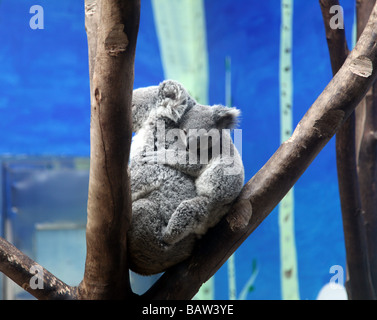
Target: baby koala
182, 181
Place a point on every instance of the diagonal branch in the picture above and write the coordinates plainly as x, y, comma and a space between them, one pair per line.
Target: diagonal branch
30, 276
264, 191
358, 281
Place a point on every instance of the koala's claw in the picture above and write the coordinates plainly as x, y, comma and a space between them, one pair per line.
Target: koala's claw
160, 157
151, 157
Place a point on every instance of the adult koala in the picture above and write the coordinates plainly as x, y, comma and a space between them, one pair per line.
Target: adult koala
182, 182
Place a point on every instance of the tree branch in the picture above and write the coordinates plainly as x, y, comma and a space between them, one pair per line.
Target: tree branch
23, 270
111, 57
264, 191
358, 281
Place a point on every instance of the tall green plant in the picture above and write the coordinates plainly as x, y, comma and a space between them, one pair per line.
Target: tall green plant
288, 260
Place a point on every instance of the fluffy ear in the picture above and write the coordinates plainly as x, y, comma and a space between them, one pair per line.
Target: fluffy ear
225, 117
172, 100
143, 101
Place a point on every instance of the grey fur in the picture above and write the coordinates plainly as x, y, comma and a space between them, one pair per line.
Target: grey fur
174, 203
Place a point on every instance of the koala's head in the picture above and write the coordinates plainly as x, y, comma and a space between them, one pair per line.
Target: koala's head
207, 122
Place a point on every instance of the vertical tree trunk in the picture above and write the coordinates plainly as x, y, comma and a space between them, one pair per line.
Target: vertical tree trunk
367, 167
111, 58
358, 283
366, 134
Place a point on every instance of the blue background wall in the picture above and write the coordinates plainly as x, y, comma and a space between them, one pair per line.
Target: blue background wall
44, 110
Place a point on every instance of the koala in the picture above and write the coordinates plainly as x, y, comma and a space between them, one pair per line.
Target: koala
156, 189
182, 181
171, 102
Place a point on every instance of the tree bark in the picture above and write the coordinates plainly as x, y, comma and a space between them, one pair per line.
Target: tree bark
358, 284
368, 180
366, 133
363, 10
264, 191
112, 51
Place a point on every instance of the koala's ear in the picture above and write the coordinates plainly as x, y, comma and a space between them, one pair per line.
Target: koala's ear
172, 99
225, 117
143, 101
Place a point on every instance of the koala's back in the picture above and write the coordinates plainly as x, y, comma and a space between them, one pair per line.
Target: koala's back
150, 215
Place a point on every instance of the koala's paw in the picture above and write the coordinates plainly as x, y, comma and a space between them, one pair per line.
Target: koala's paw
170, 237
168, 157
173, 235
152, 157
